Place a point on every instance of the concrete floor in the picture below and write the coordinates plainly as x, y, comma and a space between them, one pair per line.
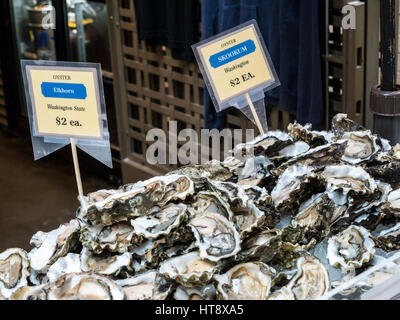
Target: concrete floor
35, 195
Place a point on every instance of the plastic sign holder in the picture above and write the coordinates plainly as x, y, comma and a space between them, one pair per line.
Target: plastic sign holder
237, 70
66, 105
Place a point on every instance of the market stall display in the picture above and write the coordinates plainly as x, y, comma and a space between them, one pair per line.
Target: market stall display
307, 212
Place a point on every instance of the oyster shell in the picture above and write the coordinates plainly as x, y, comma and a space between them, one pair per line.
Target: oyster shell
104, 264
53, 245
214, 170
146, 286
310, 282
216, 236
115, 238
137, 199
294, 186
304, 134
83, 286
160, 221
361, 146
349, 185
246, 281
389, 239
392, 204
261, 247
69, 264
207, 292
267, 144
189, 269
317, 158
351, 248
14, 271
341, 124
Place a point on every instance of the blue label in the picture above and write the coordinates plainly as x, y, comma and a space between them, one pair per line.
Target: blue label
64, 90
231, 54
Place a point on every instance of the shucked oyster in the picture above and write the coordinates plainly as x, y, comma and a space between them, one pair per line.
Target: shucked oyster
115, 238
52, 245
207, 292
361, 146
137, 199
83, 286
310, 282
209, 202
351, 248
189, 269
146, 286
216, 236
104, 264
160, 221
295, 185
349, 185
247, 281
14, 271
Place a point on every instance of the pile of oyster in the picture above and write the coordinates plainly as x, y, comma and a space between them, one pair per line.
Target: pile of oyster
306, 211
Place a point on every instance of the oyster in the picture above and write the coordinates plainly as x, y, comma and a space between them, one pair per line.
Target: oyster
84, 286
261, 247
392, 204
361, 146
247, 281
14, 271
115, 238
351, 248
137, 199
216, 236
160, 221
69, 264
30, 293
312, 221
310, 282
104, 264
389, 239
189, 269
341, 124
349, 185
304, 134
246, 215
209, 202
146, 286
214, 170
295, 185
53, 245
317, 158
207, 292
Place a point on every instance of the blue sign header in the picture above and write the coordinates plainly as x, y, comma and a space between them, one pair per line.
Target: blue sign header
64, 90
232, 54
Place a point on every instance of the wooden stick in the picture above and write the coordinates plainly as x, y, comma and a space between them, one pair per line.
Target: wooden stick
76, 167
253, 111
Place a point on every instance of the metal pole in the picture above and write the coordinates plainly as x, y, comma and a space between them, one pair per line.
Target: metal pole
388, 44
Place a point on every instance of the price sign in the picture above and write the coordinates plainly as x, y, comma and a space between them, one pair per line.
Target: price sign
65, 104
234, 64
65, 101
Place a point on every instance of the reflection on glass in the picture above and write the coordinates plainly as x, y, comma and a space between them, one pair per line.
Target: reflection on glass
34, 24
90, 45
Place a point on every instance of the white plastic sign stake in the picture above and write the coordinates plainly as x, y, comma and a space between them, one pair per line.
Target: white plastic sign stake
237, 70
65, 104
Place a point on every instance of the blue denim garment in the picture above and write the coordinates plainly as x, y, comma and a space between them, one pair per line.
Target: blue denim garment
291, 31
